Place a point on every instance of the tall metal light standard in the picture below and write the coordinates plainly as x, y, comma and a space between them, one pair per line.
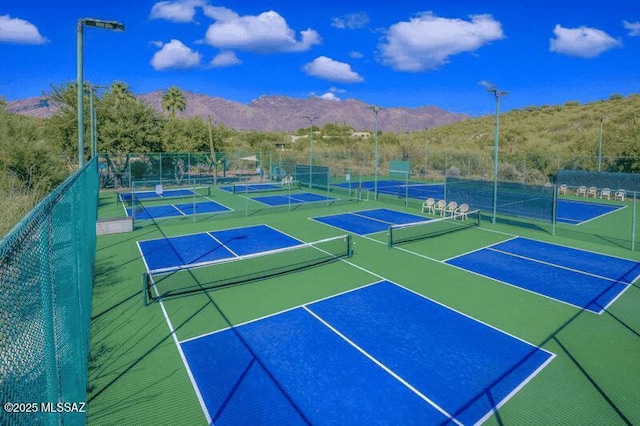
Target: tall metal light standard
376, 110
498, 94
311, 120
600, 148
89, 22
426, 150
93, 117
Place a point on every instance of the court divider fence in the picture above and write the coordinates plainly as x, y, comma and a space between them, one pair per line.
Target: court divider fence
347, 176
46, 276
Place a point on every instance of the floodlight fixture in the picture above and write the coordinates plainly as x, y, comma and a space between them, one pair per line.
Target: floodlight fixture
96, 23
376, 110
498, 94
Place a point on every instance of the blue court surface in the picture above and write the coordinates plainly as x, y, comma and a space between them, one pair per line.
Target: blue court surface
583, 279
150, 195
380, 354
298, 198
174, 253
570, 212
399, 188
174, 210
577, 212
369, 221
258, 187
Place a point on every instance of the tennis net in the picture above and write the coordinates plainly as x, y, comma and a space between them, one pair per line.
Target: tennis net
421, 230
143, 192
245, 269
243, 188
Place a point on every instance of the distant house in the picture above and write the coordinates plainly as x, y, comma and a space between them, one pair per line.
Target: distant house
362, 135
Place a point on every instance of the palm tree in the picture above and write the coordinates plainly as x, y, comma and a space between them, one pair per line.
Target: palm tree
174, 100
120, 90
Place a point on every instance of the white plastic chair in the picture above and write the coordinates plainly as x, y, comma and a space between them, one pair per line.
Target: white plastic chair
429, 205
450, 208
582, 191
562, 189
461, 211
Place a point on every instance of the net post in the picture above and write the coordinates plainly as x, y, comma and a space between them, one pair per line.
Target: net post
633, 221
554, 212
350, 244
145, 298
390, 239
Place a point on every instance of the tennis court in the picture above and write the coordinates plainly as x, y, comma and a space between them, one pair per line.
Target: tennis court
578, 212
329, 362
571, 212
272, 315
175, 210
398, 188
366, 222
580, 278
294, 198
162, 193
174, 253
256, 187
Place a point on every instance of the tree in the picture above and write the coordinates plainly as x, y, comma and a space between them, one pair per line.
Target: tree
126, 124
174, 100
185, 135
26, 158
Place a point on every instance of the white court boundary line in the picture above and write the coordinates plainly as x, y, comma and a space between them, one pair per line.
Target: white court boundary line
424, 397
381, 278
174, 336
384, 367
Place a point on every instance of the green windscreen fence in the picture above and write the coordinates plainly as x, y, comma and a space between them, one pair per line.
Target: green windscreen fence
399, 169
514, 199
312, 176
576, 178
46, 277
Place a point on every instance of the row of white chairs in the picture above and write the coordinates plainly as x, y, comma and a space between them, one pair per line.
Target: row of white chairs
287, 180
592, 191
445, 209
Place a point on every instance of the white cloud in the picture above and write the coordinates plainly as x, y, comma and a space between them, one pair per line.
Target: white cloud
331, 70
426, 42
633, 27
267, 32
351, 21
329, 97
583, 42
225, 59
175, 55
176, 11
16, 30
356, 55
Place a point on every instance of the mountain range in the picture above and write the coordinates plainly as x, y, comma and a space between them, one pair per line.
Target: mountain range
280, 113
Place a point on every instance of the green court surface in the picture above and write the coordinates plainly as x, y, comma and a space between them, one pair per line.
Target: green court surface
137, 374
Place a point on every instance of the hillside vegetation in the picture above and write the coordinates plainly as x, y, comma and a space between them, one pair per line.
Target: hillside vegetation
38, 153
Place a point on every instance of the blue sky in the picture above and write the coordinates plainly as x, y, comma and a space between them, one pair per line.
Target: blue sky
391, 54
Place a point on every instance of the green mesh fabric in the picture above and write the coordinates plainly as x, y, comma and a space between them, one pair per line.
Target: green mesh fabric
575, 178
514, 199
46, 280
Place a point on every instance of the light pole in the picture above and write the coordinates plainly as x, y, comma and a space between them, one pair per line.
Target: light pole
426, 150
600, 148
89, 22
498, 94
93, 117
376, 110
311, 120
